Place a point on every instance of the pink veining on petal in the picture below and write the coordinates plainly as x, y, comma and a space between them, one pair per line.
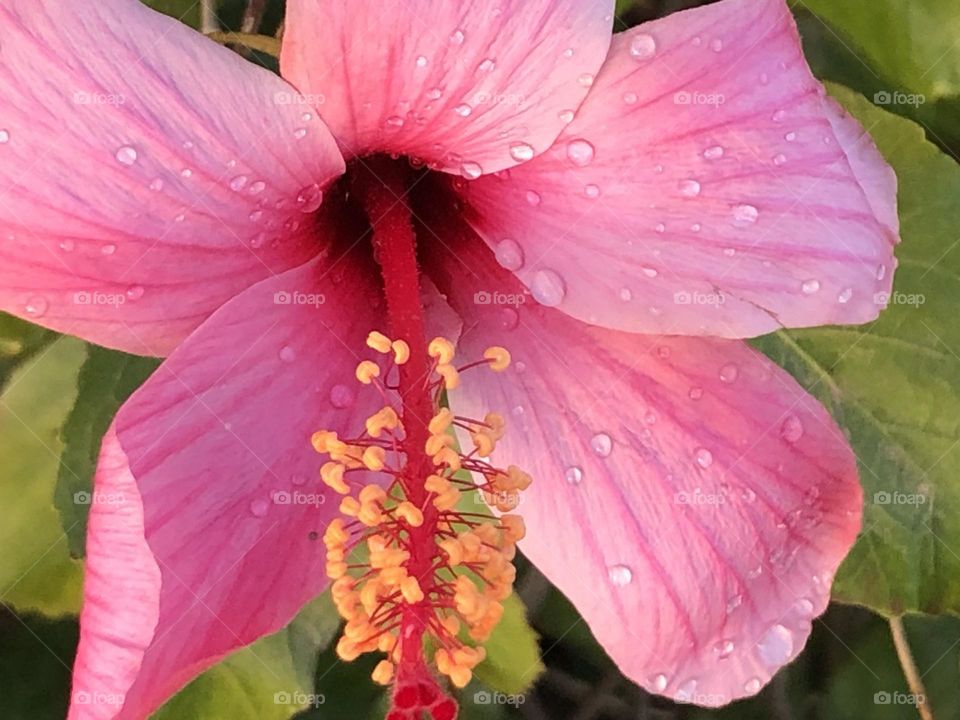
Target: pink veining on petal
470, 88
705, 187
135, 197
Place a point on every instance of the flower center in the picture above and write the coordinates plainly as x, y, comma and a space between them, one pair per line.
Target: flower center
420, 566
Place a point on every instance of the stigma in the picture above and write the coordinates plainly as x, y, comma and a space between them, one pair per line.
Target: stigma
420, 562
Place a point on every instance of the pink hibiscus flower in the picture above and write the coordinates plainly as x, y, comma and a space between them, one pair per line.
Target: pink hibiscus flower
614, 210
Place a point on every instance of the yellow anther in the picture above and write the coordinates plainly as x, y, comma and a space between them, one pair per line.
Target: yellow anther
508, 500
451, 625
497, 425
374, 458
436, 443
393, 576
332, 475
514, 529
379, 342
336, 570
401, 352
384, 419
441, 422
343, 587
460, 676
372, 493
371, 515
449, 457
441, 349
323, 440
383, 673
444, 661
358, 629
447, 500
411, 513
386, 643
349, 506
336, 534
484, 443
515, 479
389, 558
347, 650
454, 551
437, 484
367, 371
451, 378
498, 358
410, 589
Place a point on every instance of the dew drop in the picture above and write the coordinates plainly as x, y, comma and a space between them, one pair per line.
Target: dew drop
534, 198
309, 199
300, 133
135, 293
729, 373
509, 319
752, 686
630, 98
716, 45
626, 295
487, 66
238, 183
713, 153
580, 152
422, 61
779, 115
686, 692
620, 575
256, 215
809, 287
259, 507
776, 646
521, 152
703, 457
649, 272
68, 245
108, 249
463, 110
36, 307
288, 354
733, 602
592, 191
659, 682
696, 393
457, 37
792, 429
509, 254
186, 173
568, 53
748, 495
745, 215
548, 288
434, 93
471, 170
844, 297
660, 228
566, 116
689, 188
342, 396
586, 80
881, 272
643, 47
602, 445
573, 475
394, 122
126, 155
156, 185
723, 649
4, 137
779, 159
729, 252
790, 136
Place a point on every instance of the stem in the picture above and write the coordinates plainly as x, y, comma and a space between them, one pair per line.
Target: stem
914, 680
208, 16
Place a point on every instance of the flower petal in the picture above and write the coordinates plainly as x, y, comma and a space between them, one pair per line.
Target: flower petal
706, 187
149, 179
204, 528
690, 499
467, 87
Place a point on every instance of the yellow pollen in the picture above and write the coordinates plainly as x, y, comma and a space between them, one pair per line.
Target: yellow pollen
451, 378
411, 513
484, 443
436, 443
384, 419
401, 352
498, 357
349, 507
449, 457
383, 673
441, 349
374, 458
367, 371
332, 475
379, 342
441, 422
410, 589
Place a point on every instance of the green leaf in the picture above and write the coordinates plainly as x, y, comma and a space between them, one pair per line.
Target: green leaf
273, 679
894, 386
513, 661
186, 11
106, 380
19, 341
36, 571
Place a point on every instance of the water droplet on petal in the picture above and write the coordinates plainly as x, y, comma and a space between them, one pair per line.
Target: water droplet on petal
696, 393
4, 137
126, 155
776, 646
67, 245
288, 354
580, 152
566, 116
703, 457
752, 686
422, 61
463, 110
844, 297
238, 183
36, 307
621, 575
601, 444
256, 215
689, 188
394, 122
458, 37
434, 93
298, 480
136, 292
521, 152
716, 45
809, 287
310, 199
586, 80
724, 649
259, 507
659, 682
713, 153
257, 188
733, 602
471, 170
630, 98
686, 692
342, 396
186, 172
792, 429
592, 191
108, 249
509, 319
881, 272
573, 475
487, 66
779, 159
745, 215
548, 288
790, 136
300, 133
729, 373
649, 272
643, 46
626, 295
533, 198
509, 254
